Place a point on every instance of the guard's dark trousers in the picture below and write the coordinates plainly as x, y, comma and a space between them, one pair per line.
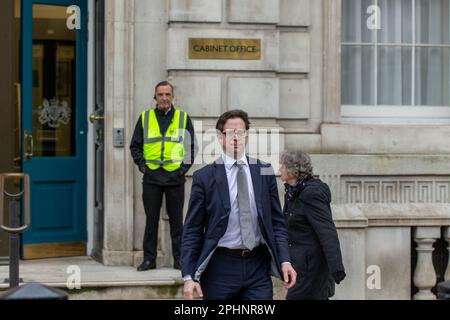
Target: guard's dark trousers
152, 198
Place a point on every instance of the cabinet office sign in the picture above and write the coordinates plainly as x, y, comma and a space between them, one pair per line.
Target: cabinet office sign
222, 48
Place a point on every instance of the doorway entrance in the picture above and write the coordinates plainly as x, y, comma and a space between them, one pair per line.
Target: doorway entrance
53, 47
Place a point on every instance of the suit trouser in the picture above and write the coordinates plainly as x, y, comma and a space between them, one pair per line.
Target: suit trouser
152, 198
229, 277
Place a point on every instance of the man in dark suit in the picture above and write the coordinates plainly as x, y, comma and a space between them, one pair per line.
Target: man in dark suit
234, 234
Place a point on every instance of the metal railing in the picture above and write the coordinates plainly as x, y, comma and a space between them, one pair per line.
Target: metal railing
14, 229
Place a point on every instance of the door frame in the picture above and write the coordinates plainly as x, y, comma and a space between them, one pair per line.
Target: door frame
90, 136
82, 81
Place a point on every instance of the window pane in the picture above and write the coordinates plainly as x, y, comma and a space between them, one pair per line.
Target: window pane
354, 21
386, 78
394, 76
54, 85
396, 21
432, 21
432, 76
358, 75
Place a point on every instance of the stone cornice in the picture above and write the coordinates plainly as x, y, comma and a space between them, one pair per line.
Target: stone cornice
391, 215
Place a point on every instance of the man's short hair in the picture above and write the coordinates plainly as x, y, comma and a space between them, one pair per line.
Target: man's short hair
163, 84
232, 114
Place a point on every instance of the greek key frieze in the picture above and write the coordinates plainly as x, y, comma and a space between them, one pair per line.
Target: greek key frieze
384, 189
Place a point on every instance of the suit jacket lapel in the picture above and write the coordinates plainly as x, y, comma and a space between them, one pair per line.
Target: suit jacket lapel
255, 171
222, 184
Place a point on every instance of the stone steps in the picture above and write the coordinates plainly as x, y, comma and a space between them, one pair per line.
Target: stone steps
97, 281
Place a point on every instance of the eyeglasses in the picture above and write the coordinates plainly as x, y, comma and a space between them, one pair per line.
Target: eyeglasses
230, 133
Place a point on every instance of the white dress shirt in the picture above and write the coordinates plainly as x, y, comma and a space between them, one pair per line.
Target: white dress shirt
232, 238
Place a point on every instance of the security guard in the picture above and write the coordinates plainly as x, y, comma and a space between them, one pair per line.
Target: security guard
164, 148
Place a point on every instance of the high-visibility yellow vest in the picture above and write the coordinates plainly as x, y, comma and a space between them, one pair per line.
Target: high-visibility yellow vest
164, 151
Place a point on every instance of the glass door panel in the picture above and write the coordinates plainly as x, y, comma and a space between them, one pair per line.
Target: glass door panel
54, 83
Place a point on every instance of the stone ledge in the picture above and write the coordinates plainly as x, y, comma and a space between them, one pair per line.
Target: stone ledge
385, 139
427, 232
365, 165
168, 292
347, 216
406, 215
101, 284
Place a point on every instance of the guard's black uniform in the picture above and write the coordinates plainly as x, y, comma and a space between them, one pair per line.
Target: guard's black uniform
159, 181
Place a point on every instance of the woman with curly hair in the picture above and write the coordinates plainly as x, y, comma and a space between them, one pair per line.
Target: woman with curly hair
313, 239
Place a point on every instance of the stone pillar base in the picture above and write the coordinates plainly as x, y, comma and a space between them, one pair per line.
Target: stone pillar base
138, 258
118, 258
162, 261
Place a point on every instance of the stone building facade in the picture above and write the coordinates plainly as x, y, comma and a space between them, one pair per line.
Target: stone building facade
389, 176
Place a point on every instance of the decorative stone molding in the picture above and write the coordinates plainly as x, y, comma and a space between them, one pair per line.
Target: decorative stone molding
389, 189
348, 217
396, 189
405, 214
334, 182
385, 179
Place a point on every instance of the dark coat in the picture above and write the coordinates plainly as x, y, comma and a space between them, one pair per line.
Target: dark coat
313, 241
209, 210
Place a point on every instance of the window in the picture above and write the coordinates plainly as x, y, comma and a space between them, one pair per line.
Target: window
400, 70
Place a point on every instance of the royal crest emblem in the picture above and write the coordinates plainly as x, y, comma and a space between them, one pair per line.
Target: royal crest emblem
53, 113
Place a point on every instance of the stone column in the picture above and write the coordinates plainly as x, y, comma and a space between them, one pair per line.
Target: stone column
447, 238
119, 57
425, 275
332, 61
